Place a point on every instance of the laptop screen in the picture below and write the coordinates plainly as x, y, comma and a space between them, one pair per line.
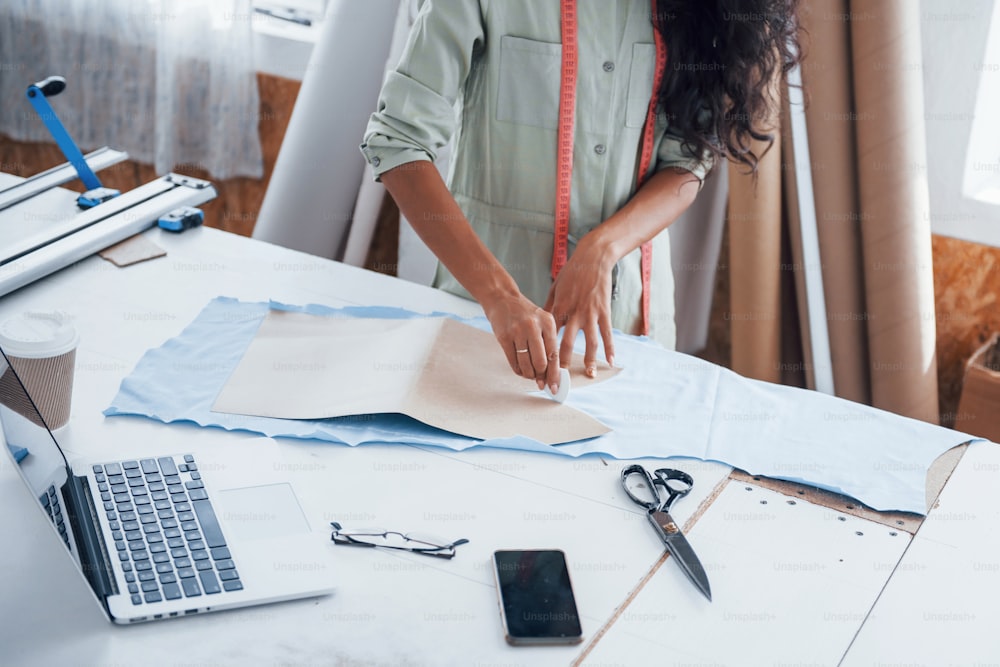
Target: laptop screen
32, 447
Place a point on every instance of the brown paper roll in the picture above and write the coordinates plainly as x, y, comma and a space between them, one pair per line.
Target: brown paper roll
754, 218
895, 219
826, 74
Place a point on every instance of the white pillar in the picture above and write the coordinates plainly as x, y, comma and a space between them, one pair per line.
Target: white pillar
310, 199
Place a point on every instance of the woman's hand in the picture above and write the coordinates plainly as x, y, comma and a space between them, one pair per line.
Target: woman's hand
580, 299
527, 334
528, 337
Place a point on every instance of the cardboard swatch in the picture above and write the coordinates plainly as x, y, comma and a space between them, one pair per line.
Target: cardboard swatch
132, 250
441, 372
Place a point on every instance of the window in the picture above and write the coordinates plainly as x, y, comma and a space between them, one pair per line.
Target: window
961, 67
982, 165
283, 47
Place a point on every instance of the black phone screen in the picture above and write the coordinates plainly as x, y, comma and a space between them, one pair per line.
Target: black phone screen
536, 596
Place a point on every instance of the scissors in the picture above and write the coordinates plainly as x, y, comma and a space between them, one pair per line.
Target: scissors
662, 488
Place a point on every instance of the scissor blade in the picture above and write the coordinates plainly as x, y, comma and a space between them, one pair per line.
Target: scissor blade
681, 550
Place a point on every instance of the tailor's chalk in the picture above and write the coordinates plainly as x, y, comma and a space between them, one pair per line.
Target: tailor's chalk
563, 393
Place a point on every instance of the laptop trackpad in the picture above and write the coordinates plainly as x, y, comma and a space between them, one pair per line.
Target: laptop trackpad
261, 512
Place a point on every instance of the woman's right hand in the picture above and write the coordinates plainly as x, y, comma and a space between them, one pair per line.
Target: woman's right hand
526, 333
528, 337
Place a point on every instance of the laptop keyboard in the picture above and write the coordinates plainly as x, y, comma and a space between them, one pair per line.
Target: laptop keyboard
166, 534
50, 501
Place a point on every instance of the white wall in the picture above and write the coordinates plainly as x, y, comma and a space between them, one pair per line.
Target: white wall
954, 44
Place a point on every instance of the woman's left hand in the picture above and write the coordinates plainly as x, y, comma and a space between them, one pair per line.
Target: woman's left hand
580, 299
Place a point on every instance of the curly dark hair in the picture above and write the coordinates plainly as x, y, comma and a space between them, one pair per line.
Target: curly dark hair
723, 57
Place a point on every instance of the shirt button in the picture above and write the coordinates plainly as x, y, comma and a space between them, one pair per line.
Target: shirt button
599, 149
376, 161
609, 66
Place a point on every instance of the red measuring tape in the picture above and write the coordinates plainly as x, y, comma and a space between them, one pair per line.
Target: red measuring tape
564, 145
564, 136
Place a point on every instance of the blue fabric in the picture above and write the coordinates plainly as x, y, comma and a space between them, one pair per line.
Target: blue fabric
17, 452
662, 404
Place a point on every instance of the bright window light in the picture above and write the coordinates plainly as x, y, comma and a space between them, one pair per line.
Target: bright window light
981, 179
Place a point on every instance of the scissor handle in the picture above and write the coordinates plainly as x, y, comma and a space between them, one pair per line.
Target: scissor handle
677, 483
654, 492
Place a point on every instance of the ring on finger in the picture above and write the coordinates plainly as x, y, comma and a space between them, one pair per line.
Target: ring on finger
524, 351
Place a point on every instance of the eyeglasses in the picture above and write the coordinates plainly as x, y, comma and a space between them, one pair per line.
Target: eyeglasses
426, 545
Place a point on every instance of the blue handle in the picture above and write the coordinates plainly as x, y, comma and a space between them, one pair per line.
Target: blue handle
37, 96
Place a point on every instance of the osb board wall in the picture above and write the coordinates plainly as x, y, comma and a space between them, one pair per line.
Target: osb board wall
966, 291
239, 199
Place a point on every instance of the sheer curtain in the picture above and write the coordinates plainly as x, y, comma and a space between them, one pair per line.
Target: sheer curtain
172, 82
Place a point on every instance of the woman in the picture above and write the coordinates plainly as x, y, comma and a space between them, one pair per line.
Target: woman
496, 230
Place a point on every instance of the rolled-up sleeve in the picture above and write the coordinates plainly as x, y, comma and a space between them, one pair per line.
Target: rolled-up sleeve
416, 115
673, 154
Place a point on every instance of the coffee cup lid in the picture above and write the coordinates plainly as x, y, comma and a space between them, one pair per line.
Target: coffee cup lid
38, 335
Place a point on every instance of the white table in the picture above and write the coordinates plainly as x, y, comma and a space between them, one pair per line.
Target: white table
794, 582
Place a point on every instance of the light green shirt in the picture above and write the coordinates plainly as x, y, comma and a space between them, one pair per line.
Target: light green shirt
498, 62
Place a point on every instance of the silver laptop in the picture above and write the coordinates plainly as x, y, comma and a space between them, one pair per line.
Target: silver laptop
165, 536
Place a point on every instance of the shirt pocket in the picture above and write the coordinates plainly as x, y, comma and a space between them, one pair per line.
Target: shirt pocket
528, 91
640, 84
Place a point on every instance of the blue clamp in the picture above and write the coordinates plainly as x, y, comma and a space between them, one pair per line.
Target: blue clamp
37, 95
181, 218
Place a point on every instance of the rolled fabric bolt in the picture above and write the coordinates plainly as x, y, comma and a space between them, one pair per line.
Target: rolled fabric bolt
563, 393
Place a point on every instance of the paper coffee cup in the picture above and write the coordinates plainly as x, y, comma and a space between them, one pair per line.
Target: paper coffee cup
41, 347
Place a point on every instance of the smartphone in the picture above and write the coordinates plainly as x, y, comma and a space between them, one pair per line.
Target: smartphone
536, 597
